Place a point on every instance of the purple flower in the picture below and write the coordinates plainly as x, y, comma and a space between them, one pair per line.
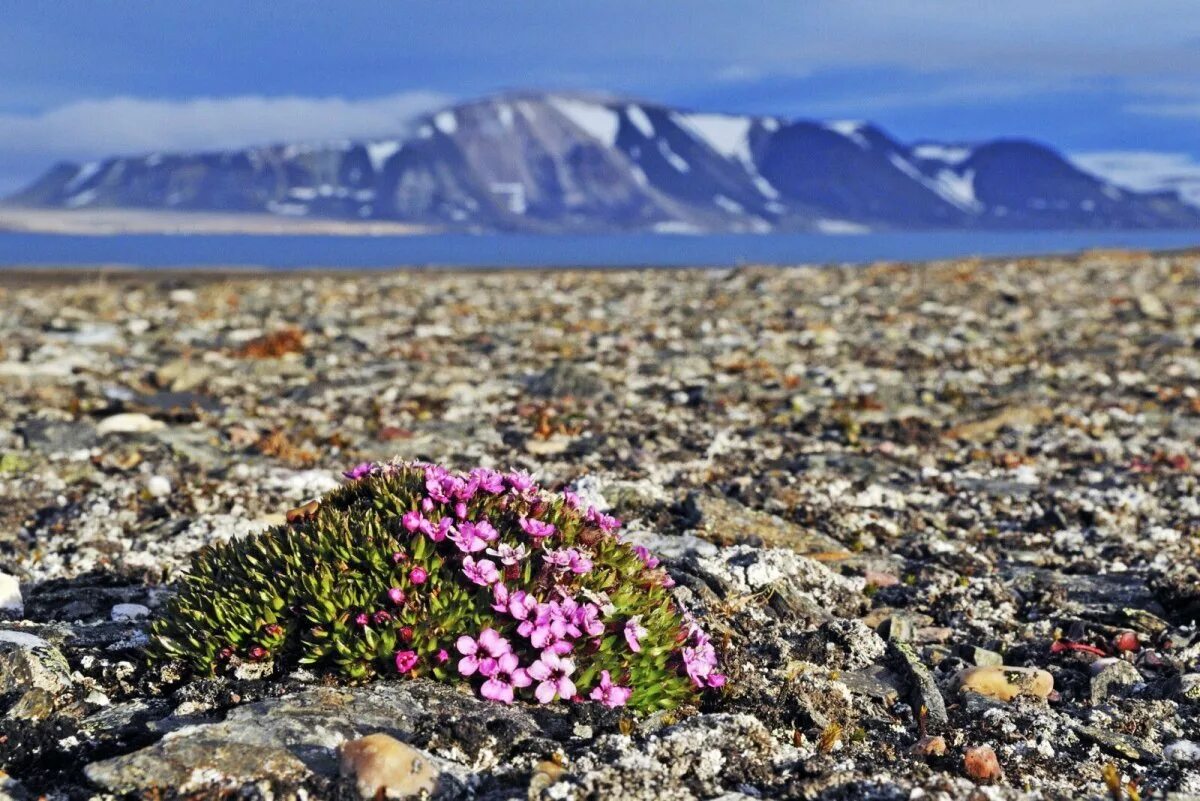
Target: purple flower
359, 470
507, 676
634, 631
536, 528
442, 656
572, 499
579, 563
521, 605
520, 482
606, 523
490, 645
406, 660
488, 480
508, 555
362, 619
418, 575
608, 693
460, 510
700, 662
553, 672
500, 596
588, 619
415, 521
559, 560
648, 559
396, 595
382, 616
482, 572
471, 537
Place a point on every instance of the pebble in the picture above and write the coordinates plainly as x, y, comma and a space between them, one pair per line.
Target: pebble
10, 595
158, 486
1112, 679
1005, 682
379, 763
127, 612
129, 423
1185, 751
980, 764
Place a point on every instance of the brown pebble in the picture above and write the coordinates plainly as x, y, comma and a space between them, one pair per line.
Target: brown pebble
929, 745
381, 763
980, 764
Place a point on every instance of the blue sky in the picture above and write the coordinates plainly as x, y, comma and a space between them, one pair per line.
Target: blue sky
82, 78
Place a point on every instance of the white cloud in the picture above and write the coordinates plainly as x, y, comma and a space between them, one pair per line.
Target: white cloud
1145, 170
128, 125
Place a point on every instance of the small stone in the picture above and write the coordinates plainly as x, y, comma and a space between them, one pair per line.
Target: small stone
924, 693
10, 595
980, 656
1187, 686
127, 612
381, 763
158, 486
1111, 679
129, 423
1185, 751
980, 764
545, 774
1005, 682
34, 671
1151, 307
929, 745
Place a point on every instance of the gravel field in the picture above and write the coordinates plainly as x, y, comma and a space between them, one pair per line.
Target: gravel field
943, 518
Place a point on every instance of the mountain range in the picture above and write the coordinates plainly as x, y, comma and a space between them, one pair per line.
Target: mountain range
568, 163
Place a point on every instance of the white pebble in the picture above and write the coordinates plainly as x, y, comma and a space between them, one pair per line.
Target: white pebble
128, 423
123, 612
158, 486
1187, 751
10, 594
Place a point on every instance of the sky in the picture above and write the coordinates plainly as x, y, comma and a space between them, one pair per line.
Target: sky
1112, 83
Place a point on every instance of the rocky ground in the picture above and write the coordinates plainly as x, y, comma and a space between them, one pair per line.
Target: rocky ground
867, 480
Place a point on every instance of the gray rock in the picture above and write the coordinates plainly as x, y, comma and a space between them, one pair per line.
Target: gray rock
923, 690
565, 379
1112, 680
58, 436
35, 671
291, 738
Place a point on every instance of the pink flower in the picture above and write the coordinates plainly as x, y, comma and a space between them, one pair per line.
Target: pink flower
608, 693
521, 605
536, 528
647, 558
606, 523
490, 645
578, 562
396, 596
359, 470
553, 672
482, 572
700, 662
382, 616
418, 575
442, 656
507, 676
488, 480
471, 537
362, 619
572, 499
399, 556
406, 660
560, 560
508, 555
460, 510
634, 633
587, 617
257, 652
520, 481
500, 596
414, 521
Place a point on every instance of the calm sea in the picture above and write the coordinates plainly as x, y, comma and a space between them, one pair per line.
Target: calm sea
512, 250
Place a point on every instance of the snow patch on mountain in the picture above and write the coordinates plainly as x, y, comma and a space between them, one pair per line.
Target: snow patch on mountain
640, 121
727, 135
674, 159
852, 130
379, 152
948, 154
1146, 171
596, 120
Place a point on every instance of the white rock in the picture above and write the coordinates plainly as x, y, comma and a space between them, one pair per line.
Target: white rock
23, 639
1187, 751
123, 612
158, 486
129, 423
10, 594
182, 296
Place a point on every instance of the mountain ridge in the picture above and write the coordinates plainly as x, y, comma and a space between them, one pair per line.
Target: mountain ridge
576, 162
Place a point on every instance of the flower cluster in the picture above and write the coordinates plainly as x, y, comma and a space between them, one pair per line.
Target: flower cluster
412, 570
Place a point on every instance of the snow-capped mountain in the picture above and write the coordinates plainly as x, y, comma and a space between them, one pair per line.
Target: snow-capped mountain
571, 163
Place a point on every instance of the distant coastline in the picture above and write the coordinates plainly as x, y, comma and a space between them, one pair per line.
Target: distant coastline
118, 222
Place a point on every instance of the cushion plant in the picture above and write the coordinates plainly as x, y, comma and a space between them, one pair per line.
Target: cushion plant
412, 570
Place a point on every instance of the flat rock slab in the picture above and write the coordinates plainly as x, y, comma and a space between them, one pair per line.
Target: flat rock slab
289, 739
